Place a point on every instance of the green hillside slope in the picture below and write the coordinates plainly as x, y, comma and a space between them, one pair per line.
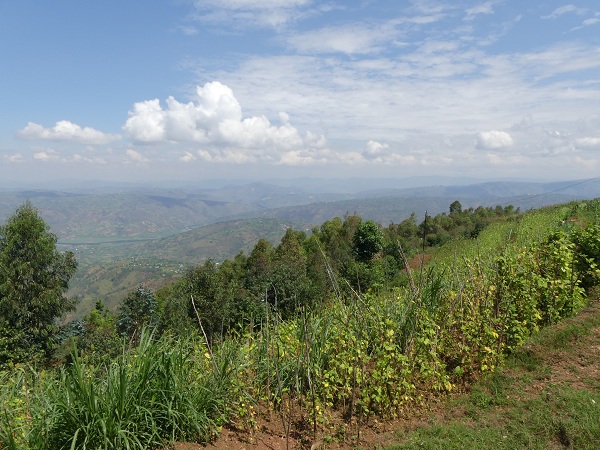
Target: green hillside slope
109, 271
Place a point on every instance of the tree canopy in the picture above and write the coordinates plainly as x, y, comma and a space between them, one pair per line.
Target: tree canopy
34, 277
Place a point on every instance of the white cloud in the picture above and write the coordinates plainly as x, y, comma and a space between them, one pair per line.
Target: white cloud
347, 39
227, 155
146, 122
46, 155
14, 158
483, 8
419, 82
187, 157
135, 156
587, 23
496, 159
270, 13
566, 9
494, 139
93, 160
374, 150
66, 131
592, 21
322, 157
588, 142
180, 122
215, 121
188, 30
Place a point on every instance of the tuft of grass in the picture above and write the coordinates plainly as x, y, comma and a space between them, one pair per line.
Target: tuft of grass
147, 398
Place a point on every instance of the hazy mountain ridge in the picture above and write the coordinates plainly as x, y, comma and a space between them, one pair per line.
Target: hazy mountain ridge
496, 189
124, 236
97, 214
104, 217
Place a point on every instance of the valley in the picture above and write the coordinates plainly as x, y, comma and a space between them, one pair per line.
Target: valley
125, 236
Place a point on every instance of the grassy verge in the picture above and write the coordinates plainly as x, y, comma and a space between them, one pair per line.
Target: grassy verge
547, 396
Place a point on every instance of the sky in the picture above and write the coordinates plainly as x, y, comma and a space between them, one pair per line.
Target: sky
186, 90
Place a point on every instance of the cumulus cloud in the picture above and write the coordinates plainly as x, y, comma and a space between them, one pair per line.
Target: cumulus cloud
66, 131
184, 122
187, 157
46, 155
214, 121
146, 122
374, 150
494, 139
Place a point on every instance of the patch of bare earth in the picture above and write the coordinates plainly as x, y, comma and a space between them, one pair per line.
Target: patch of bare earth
577, 366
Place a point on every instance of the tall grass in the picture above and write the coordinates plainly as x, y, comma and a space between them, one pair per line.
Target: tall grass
161, 392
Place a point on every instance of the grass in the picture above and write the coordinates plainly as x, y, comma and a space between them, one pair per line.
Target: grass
162, 392
541, 399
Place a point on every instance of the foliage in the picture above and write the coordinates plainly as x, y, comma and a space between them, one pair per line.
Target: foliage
163, 391
270, 340
367, 240
99, 342
33, 279
587, 258
339, 257
138, 310
502, 411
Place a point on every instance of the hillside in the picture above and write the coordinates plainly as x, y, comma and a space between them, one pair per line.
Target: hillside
330, 340
127, 235
546, 396
109, 271
91, 218
116, 213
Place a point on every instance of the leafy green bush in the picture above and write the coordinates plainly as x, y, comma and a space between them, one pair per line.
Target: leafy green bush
587, 259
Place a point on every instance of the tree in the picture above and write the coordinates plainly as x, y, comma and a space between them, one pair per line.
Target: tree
210, 301
408, 228
259, 269
367, 240
138, 309
99, 341
34, 277
455, 207
289, 273
336, 237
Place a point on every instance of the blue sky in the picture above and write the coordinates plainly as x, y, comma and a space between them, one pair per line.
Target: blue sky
186, 90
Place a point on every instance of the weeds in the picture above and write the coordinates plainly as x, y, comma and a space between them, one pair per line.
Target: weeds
161, 392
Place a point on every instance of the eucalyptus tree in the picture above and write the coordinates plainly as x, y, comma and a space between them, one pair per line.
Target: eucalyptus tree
34, 277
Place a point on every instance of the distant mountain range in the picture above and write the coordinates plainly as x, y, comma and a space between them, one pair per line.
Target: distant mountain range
124, 235
103, 214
